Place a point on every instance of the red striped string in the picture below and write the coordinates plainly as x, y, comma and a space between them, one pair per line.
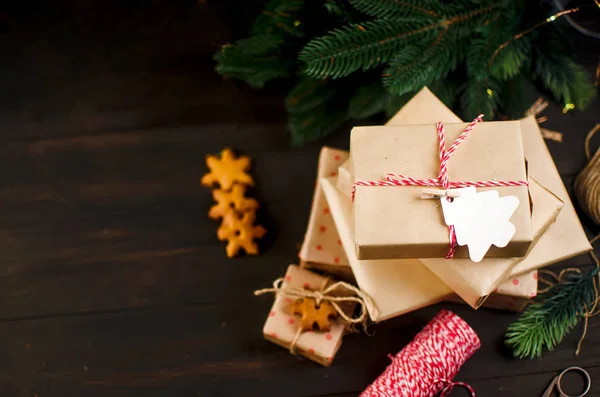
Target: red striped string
449, 385
442, 179
423, 368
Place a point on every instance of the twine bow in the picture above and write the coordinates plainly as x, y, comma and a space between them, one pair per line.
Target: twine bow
325, 295
442, 180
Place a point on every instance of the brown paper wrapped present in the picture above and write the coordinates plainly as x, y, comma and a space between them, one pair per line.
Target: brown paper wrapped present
398, 286
563, 239
522, 286
321, 248
512, 295
499, 302
475, 281
285, 328
394, 222
519, 286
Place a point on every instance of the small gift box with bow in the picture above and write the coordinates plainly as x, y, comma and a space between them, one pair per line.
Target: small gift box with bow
395, 168
311, 313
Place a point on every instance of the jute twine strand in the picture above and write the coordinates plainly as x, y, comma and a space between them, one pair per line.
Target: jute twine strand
325, 294
587, 190
591, 310
587, 183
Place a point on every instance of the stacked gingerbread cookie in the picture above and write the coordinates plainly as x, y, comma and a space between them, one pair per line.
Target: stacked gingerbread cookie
229, 178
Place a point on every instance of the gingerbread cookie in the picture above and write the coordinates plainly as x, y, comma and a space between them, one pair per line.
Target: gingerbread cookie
227, 170
240, 232
313, 317
233, 201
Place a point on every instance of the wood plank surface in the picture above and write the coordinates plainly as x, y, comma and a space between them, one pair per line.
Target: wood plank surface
112, 281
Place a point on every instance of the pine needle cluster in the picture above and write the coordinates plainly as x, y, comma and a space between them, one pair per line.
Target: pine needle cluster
545, 323
356, 58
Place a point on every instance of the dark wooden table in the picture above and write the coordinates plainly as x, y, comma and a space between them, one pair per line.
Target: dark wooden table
112, 281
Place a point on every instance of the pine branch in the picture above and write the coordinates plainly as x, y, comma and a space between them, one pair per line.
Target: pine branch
480, 96
253, 45
314, 110
394, 103
565, 79
341, 10
476, 50
484, 44
445, 89
545, 323
368, 45
255, 60
368, 101
416, 67
516, 95
308, 127
509, 61
308, 94
360, 46
393, 9
263, 56
279, 16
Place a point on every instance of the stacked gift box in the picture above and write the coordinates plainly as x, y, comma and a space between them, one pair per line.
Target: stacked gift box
391, 239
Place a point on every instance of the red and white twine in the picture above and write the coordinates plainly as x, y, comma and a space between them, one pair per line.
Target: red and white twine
426, 365
442, 179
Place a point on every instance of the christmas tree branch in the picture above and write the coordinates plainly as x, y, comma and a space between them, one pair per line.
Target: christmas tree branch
545, 323
551, 18
396, 8
365, 46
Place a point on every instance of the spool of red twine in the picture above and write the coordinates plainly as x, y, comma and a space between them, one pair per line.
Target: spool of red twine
426, 366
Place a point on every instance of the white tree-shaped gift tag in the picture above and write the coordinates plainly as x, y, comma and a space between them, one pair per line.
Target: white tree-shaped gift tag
480, 219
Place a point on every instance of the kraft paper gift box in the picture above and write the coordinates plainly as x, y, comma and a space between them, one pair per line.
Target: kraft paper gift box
425, 107
399, 286
512, 295
394, 222
396, 286
522, 286
323, 233
565, 238
507, 302
499, 302
322, 249
473, 279
473, 282
282, 326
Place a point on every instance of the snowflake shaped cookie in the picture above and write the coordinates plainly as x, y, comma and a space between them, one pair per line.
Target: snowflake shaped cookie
233, 201
239, 231
227, 170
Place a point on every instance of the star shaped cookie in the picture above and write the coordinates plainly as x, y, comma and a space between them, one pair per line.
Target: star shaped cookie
227, 170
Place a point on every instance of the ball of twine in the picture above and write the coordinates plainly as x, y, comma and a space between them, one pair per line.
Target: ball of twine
427, 365
587, 183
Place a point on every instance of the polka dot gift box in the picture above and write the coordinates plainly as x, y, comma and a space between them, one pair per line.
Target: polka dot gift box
523, 286
322, 248
282, 327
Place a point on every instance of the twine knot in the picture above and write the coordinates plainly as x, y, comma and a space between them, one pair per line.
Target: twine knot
326, 294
